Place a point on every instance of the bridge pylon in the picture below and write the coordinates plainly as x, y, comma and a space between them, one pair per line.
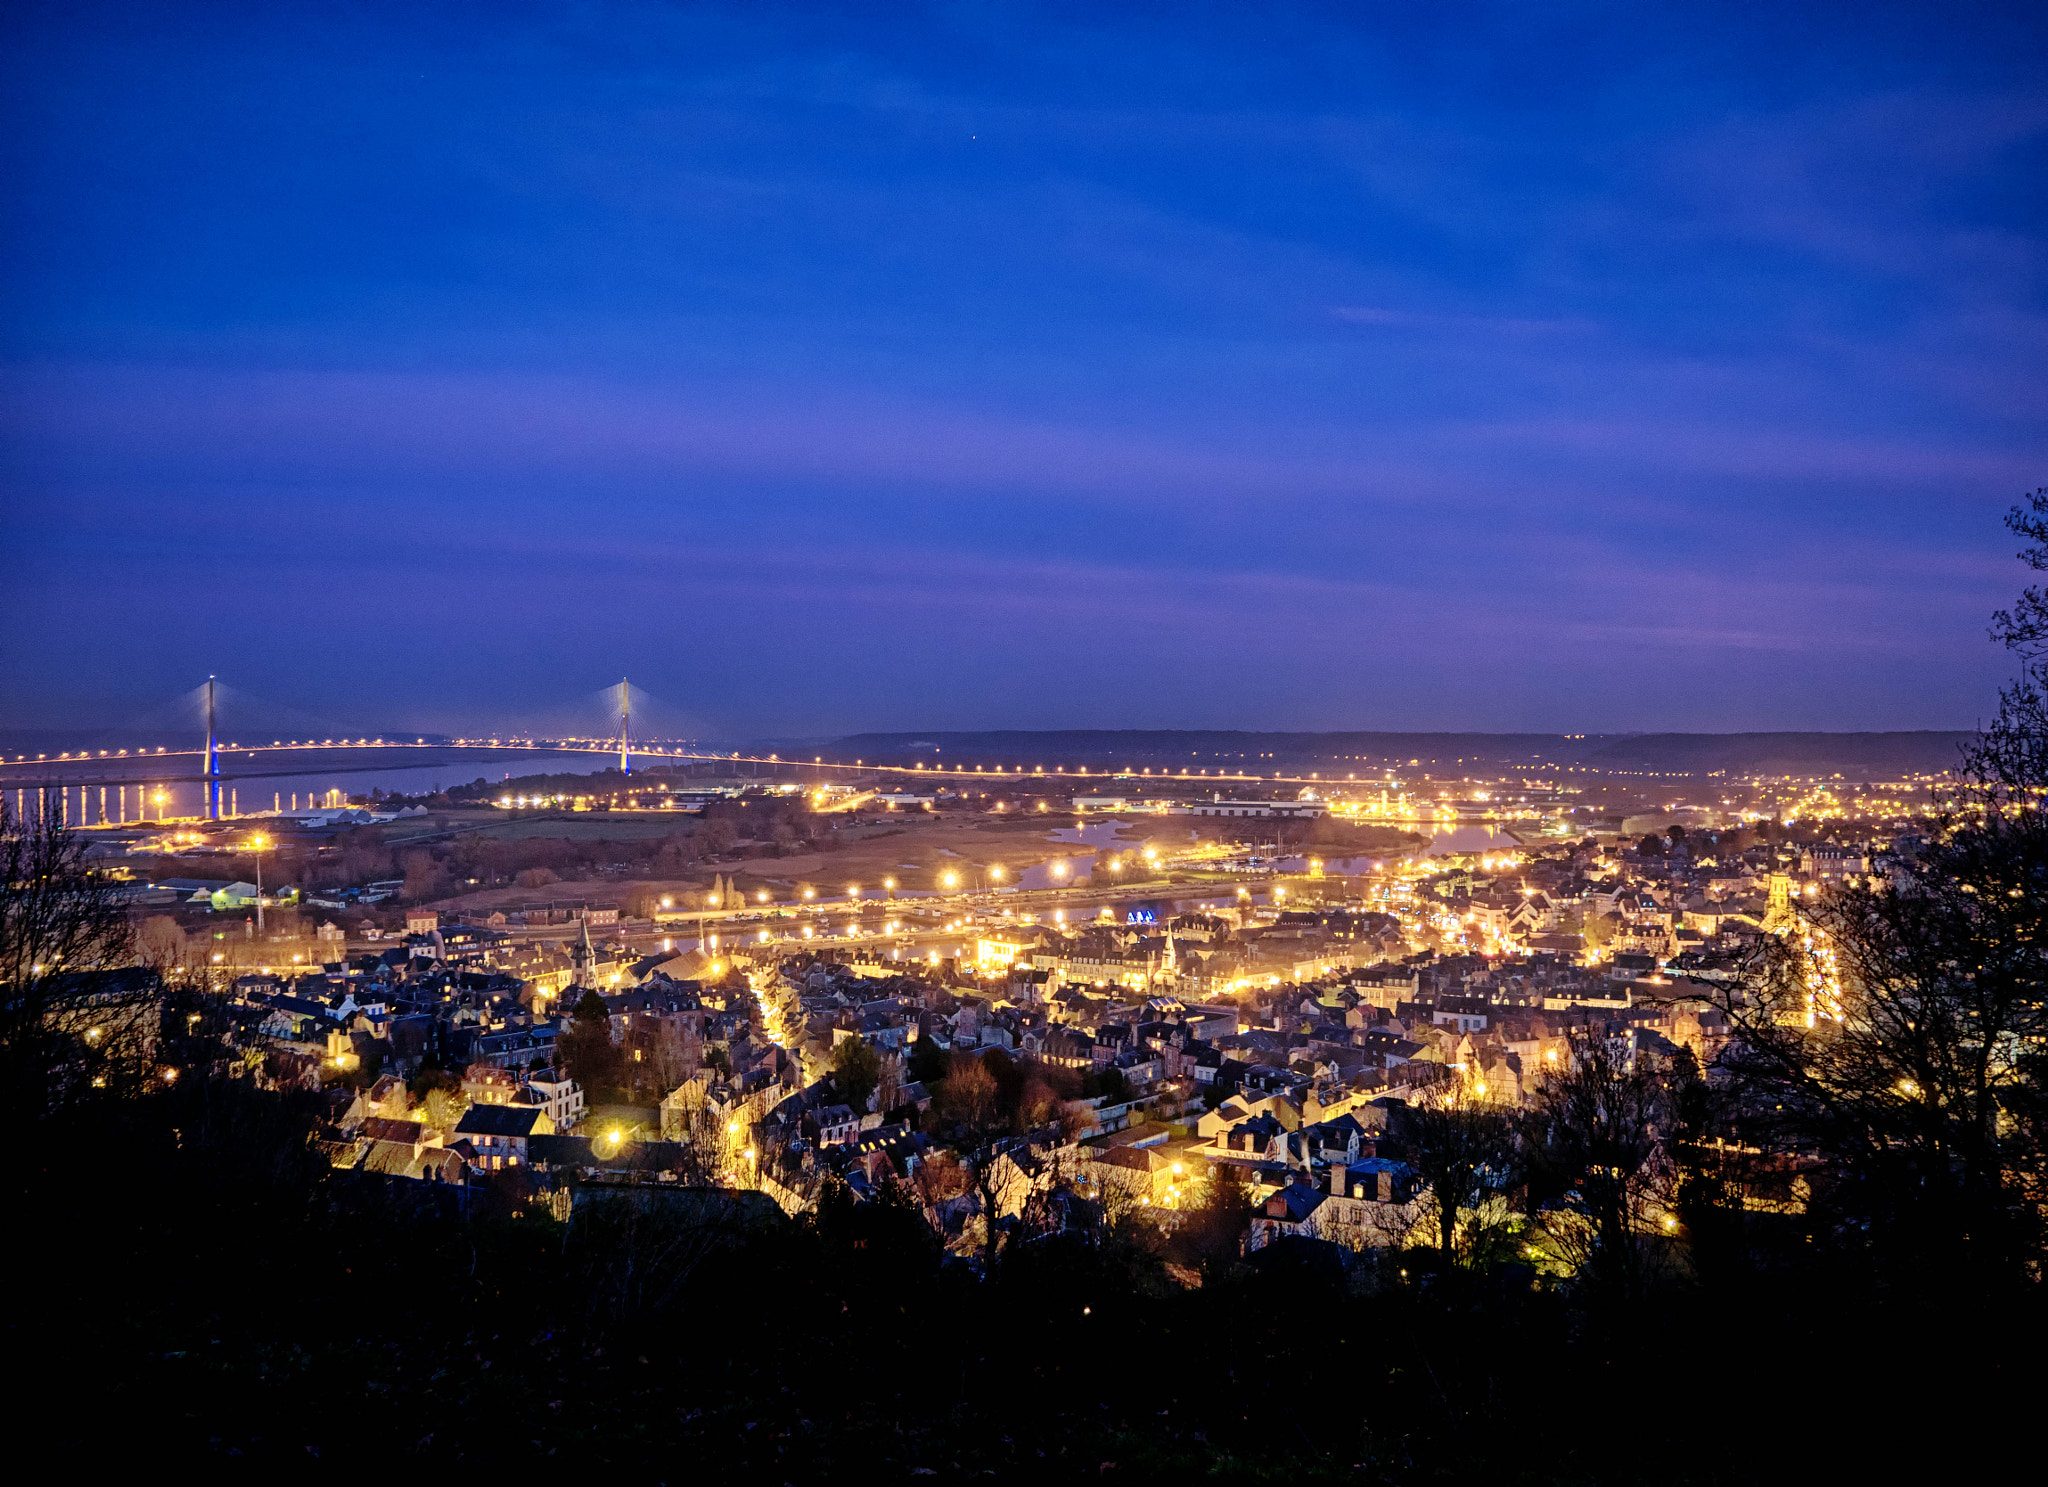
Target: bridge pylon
625, 726
212, 756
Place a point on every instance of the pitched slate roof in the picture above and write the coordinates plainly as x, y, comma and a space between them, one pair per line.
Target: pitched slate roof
1295, 1202
498, 1120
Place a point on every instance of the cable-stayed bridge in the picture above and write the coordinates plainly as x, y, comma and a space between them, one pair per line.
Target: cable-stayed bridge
75, 783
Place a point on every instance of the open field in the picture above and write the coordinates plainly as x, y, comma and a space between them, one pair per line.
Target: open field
914, 850
577, 826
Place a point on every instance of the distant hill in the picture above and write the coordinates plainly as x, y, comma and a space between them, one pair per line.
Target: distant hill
1114, 746
1781, 753
1686, 753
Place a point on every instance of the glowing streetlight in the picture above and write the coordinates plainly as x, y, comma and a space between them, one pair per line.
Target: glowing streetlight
256, 844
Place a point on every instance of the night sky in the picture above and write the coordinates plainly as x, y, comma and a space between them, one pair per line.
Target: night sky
1374, 365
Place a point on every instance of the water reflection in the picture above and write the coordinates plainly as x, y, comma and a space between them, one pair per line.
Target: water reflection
1092, 833
145, 798
1056, 872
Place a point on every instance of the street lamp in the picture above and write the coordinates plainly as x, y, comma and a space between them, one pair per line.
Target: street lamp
257, 844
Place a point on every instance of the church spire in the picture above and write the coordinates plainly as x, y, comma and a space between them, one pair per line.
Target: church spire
583, 958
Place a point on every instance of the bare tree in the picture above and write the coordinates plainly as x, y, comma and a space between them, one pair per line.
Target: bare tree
988, 1175
934, 1182
1896, 1033
2009, 762
76, 1015
969, 1094
1595, 1137
1462, 1151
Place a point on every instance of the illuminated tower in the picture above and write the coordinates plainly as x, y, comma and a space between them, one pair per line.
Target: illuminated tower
212, 758
1778, 914
625, 727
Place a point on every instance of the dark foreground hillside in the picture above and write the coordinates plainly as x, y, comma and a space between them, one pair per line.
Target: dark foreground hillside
197, 1290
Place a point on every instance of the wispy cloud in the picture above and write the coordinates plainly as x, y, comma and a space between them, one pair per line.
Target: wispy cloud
1499, 325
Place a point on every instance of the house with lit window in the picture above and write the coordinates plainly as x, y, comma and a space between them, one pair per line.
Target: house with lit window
498, 1134
557, 1094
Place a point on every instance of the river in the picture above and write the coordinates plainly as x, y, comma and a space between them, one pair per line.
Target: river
149, 795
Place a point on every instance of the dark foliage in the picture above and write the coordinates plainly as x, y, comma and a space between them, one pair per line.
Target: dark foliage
232, 1301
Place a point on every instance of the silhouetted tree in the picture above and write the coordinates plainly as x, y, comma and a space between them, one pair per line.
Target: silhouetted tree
856, 1069
1210, 1235
1899, 1030
75, 1016
1462, 1152
969, 1094
588, 1053
1593, 1144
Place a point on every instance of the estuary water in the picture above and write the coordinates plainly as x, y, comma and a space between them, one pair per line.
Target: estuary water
140, 788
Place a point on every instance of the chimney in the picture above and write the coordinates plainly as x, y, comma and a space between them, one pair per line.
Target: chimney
1337, 1173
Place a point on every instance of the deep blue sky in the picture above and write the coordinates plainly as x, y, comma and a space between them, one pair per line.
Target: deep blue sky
1575, 367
